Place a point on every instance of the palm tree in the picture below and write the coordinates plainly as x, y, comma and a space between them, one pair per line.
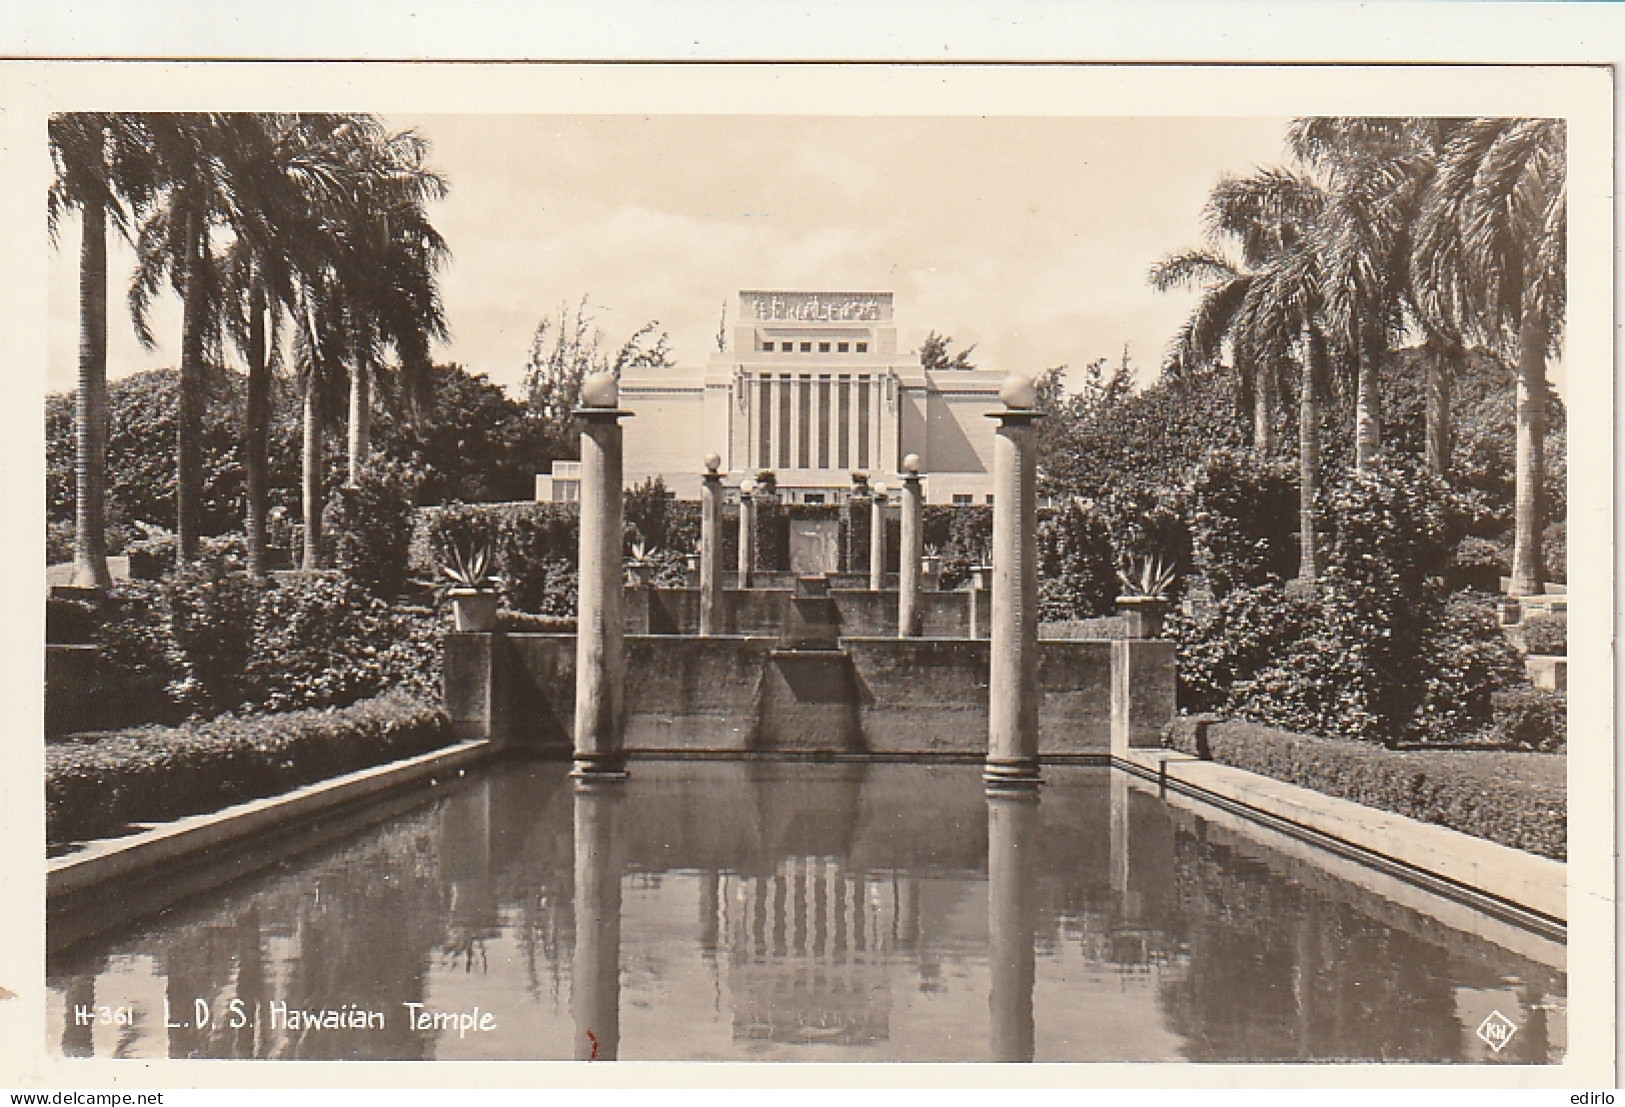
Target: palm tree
100, 172
293, 171
1217, 317
177, 240
1267, 310
390, 255
1490, 257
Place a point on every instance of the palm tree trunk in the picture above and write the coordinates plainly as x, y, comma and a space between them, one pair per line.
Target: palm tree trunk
256, 423
1441, 366
311, 558
1368, 406
360, 415
189, 418
1314, 354
1528, 571
1264, 411
90, 519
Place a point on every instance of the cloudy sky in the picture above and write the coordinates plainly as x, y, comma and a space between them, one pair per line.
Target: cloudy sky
1029, 237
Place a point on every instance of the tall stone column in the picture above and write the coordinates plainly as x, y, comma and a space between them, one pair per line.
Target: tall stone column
877, 538
1012, 753
747, 533
710, 545
913, 549
1012, 894
600, 651
595, 973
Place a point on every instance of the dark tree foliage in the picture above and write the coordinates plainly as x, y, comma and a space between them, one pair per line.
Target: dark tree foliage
934, 353
473, 444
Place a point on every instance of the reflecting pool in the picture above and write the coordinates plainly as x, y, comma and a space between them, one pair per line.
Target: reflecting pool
795, 912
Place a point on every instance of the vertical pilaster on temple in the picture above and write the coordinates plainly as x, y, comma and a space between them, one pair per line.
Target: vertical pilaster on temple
595, 972
1012, 890
877, 538
710, 544
1012, 754
913, 549
747, 533
600, 653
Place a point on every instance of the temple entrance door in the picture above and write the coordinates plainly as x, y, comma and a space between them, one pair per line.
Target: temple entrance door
814, 546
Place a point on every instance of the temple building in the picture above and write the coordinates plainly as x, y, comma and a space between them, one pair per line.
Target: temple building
813, 389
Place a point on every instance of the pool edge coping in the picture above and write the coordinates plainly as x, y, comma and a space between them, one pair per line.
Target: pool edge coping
1499, 879
106, 860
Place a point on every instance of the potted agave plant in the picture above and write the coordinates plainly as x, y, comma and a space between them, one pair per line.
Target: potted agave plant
1144, 602
473, 590
641, 567
931, 568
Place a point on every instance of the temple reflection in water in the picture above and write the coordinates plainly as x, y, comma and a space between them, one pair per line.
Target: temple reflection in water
812, 912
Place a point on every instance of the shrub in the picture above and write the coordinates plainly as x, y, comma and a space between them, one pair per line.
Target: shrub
155, 774
1532, 719
1547, 636
1516, 799
136, 665
1466, 660
70, 622
962, 535
1479, 563
319, 641
535, 548
1221, 651
1554, 549
368, 529
1244, 520
1391, 534
1077, 573
645, 511
211, 626
59, 538
412, 661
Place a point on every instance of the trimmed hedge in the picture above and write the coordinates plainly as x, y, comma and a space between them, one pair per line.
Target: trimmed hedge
155, 774
1514, 798
1532, 718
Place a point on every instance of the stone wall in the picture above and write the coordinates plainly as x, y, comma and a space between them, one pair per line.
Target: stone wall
741, 694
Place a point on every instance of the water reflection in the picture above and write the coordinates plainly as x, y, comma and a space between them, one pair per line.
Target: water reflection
1012, 907
838, 912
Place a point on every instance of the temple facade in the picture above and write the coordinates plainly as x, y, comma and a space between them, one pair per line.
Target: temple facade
814, 389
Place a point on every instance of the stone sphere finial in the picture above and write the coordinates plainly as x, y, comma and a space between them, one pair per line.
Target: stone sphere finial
712, 463
601, 390
911, 463
747, 486
1019, 391
879, 489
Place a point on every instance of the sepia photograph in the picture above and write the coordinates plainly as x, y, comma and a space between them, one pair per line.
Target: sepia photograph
847, 564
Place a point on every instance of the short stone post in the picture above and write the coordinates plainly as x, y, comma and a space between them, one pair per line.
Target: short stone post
710, 545
913, 550
1012, 890
1012, 754
877, 538
600, 652
747, 533
595, 973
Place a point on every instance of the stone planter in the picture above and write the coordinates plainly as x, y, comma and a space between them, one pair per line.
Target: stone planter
1548, 671
931, 572
474, 610
1143, 615
638, 574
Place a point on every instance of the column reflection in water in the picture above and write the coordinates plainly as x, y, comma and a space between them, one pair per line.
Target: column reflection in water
595, 982
1012, 893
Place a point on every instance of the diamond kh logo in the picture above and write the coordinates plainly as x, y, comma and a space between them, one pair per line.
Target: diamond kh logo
1496, 1031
